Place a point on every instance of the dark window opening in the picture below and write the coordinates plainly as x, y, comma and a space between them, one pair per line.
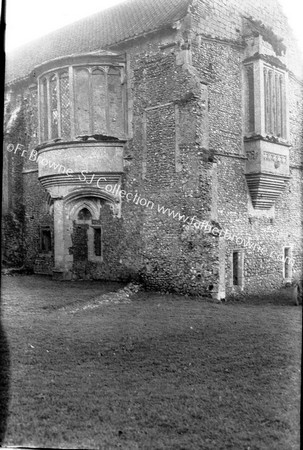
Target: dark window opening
45, 240
84, 214
97, 241
80, 242
235, 268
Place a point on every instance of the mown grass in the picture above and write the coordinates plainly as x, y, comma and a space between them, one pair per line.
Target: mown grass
161, 372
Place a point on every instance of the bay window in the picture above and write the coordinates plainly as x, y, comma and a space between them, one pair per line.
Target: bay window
265, 100
82, 100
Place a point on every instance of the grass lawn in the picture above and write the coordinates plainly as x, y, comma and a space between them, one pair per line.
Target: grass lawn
158, 372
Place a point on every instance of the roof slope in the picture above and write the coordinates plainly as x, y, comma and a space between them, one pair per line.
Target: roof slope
123, 21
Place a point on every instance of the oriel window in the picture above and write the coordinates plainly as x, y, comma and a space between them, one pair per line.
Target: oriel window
265, 100
82, 101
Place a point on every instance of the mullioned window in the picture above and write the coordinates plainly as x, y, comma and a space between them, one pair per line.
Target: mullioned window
265, 100
82, 101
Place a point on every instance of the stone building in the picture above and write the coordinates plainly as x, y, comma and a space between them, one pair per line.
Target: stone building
160, 140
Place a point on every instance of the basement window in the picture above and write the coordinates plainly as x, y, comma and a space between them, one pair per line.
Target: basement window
249, 98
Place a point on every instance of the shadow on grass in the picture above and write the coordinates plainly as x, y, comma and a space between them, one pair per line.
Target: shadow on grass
282, 297
4, 381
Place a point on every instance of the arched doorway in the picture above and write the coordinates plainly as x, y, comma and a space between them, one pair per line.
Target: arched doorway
79, 232
87, 237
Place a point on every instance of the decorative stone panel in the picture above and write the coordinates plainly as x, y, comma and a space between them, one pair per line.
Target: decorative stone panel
80, 163
267, 157
267, 170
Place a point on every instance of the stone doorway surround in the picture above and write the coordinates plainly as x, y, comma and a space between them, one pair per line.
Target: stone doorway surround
66, 212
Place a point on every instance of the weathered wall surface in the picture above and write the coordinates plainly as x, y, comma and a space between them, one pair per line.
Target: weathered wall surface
185, 161
27, 205
224, 19
169, 169
114, 249
218, 52
12, 200
38, 214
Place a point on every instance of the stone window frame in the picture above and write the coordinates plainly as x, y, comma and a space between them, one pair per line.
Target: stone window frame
91, 250
256, 119
42, 252
240, 274
89, 63
287, 266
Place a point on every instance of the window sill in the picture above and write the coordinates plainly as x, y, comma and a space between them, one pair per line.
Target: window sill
268, 138
96, 259
77, 141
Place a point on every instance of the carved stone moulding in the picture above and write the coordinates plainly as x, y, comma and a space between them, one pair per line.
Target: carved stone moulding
266, 157
265, 188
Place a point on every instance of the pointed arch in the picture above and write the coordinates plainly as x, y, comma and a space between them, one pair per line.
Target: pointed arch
87, 197
77, 205
90, 192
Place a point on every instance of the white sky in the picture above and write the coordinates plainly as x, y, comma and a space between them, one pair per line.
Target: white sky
29, 19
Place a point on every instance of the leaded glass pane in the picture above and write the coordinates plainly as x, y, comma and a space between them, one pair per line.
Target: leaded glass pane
33, 105
99, 102
82, 102
274, 102
249, 99
96, 103
44, 111
65, 106
115, 103
278, 106
54, 106
267, 101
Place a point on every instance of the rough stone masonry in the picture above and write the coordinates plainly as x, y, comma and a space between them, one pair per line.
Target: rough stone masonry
194, 105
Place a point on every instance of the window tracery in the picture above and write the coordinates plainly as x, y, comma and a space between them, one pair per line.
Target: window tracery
82, 100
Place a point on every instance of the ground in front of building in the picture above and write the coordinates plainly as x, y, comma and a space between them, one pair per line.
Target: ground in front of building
147, 371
